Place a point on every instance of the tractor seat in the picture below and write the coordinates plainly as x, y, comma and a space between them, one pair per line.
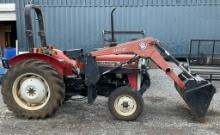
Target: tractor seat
74, 53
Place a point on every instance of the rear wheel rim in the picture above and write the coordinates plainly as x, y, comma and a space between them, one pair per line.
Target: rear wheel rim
125, 105
31, 91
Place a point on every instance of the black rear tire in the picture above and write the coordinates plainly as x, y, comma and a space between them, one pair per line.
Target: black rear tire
48, 75
133, 96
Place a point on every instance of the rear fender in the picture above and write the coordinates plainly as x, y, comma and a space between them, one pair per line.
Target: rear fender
62, 67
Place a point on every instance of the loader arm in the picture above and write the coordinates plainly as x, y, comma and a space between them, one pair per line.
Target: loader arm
145, 48
194, 90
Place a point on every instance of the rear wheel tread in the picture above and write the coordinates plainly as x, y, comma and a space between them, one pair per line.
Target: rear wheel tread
56, 80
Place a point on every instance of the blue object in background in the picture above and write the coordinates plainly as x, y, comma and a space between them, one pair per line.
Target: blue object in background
9, 53
2, 73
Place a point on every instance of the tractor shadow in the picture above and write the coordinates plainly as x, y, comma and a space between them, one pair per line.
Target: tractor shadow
81, 110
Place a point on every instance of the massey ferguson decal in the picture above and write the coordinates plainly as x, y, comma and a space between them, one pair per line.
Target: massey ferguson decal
142, 45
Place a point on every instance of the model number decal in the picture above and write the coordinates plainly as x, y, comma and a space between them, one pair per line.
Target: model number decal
119, 50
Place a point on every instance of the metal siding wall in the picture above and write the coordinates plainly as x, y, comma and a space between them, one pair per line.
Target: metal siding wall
20, 24
7, 1
79, 23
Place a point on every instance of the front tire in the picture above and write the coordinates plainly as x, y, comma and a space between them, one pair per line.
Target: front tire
33, 89
125, 104
146, 79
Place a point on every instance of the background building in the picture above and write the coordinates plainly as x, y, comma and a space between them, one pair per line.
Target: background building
79, 23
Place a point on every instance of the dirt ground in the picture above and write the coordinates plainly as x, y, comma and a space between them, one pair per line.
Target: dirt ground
164, 113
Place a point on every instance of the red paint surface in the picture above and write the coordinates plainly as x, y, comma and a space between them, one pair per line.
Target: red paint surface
63, 66
126, 50
118, 58
132, 78
148, 51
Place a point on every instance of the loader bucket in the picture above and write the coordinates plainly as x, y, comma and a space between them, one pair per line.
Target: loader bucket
198, 95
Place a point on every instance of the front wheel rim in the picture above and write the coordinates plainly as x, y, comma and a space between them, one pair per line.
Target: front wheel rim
31, 91
125, 105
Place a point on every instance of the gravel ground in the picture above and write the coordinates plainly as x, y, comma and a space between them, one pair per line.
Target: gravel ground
164, 113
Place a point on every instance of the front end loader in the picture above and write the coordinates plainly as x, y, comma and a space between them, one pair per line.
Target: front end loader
39, 81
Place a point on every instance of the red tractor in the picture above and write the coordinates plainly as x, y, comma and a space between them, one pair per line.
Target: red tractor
38, 82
